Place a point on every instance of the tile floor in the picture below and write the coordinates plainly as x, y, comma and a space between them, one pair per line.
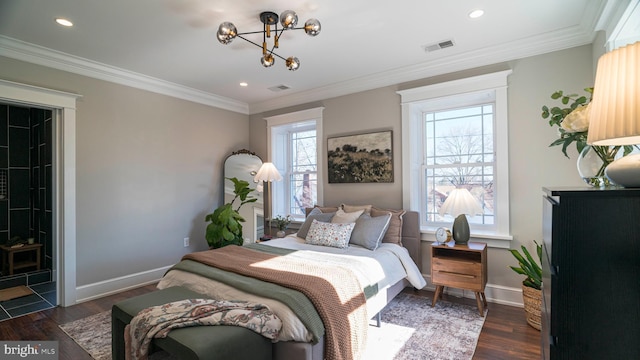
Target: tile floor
44, 296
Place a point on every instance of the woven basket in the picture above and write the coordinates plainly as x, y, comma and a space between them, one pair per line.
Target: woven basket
532, 306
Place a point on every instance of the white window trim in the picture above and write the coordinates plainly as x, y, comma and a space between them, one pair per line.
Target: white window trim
412, 158
299, 116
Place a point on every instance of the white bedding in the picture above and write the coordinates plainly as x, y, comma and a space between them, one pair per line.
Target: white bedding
385, 266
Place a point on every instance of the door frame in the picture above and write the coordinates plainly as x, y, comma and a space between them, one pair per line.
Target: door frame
63, 105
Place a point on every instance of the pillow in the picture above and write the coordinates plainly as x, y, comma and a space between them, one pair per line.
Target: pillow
329, 234
354, 208
369, 231
315, 214
325, 209
394, 232
343, 217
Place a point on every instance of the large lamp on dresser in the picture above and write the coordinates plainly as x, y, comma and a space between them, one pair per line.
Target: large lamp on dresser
615, 110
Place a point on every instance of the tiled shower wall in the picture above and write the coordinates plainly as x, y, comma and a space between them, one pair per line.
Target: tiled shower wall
25, 169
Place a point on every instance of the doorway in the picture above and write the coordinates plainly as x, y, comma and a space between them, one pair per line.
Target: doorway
27, 247
63, 107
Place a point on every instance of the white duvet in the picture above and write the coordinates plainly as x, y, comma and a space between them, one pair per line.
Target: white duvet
385, 266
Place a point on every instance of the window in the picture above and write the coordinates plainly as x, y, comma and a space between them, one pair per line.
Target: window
458, 153
294, 148
457, 138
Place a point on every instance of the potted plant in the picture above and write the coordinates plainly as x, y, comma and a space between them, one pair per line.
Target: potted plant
532, 284
282, 223
225, 223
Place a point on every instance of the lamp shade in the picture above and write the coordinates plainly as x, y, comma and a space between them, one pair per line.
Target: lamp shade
615, 108
460, 201
267, 172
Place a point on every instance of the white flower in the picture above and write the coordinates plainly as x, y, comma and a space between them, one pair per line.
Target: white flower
577, 120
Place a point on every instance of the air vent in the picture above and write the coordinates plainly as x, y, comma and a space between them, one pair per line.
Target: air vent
438, 46
279, 88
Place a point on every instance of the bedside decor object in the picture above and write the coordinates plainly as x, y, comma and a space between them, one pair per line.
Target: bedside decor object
443, 235
460, 203
615, 110
532, 284
267, 174
288, 20
225, 226
282, 223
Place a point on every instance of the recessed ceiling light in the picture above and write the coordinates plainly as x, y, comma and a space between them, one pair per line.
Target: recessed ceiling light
243, 84
476, 13
64, 22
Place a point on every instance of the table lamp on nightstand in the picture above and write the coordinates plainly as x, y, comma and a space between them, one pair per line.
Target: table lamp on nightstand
460, 203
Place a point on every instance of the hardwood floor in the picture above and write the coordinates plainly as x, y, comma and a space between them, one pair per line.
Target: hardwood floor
505, 334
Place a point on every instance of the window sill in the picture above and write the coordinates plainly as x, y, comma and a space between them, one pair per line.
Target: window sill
492, 240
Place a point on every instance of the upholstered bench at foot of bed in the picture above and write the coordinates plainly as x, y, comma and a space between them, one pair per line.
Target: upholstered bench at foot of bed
190, 343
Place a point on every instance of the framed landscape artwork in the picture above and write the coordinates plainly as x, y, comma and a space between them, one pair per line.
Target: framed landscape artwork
363, 158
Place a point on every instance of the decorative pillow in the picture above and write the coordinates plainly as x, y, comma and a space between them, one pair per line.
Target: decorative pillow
394, 232
315, 214
344, 217
354, 208
329, 234
369, 231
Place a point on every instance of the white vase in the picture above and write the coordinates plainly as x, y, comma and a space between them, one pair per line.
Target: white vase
281, 233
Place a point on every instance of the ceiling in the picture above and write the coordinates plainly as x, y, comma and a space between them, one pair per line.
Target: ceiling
170, 46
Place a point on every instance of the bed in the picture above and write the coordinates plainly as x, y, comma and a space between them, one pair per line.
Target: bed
380, 275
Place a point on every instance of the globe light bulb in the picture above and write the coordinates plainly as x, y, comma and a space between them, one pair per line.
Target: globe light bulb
292, 63
289, 19
226, 33
267, 60
312, 27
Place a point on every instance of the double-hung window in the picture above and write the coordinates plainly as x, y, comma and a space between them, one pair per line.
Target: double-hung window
294, 148
455, 136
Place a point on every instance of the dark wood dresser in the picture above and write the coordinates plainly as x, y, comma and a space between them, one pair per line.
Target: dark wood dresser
591, 273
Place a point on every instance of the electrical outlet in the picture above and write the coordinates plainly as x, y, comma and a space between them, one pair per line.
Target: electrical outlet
186, 242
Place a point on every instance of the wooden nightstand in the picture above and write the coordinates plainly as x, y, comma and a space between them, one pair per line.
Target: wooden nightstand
462, 267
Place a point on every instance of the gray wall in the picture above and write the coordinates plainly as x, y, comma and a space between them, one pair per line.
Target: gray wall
532, 164
149, 167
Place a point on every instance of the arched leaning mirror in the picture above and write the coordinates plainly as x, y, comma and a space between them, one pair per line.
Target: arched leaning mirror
244, 164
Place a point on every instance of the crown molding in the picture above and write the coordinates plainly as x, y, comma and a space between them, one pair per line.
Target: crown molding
597, 16
39, 55
559, 40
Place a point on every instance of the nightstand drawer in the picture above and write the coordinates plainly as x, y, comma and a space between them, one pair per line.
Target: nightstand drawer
457, 280
457, 266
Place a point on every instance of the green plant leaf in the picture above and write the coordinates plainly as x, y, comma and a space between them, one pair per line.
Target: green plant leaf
529, 266
556, 95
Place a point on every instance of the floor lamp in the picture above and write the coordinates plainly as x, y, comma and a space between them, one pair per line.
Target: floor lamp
267, 174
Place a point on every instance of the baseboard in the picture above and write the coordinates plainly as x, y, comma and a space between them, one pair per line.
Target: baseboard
116, 285
497, 294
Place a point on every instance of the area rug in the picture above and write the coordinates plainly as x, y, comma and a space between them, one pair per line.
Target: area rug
411, 329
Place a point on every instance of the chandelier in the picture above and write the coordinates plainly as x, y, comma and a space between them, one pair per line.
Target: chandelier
288, 20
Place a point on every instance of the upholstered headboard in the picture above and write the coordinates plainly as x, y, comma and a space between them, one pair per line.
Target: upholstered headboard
410, 235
